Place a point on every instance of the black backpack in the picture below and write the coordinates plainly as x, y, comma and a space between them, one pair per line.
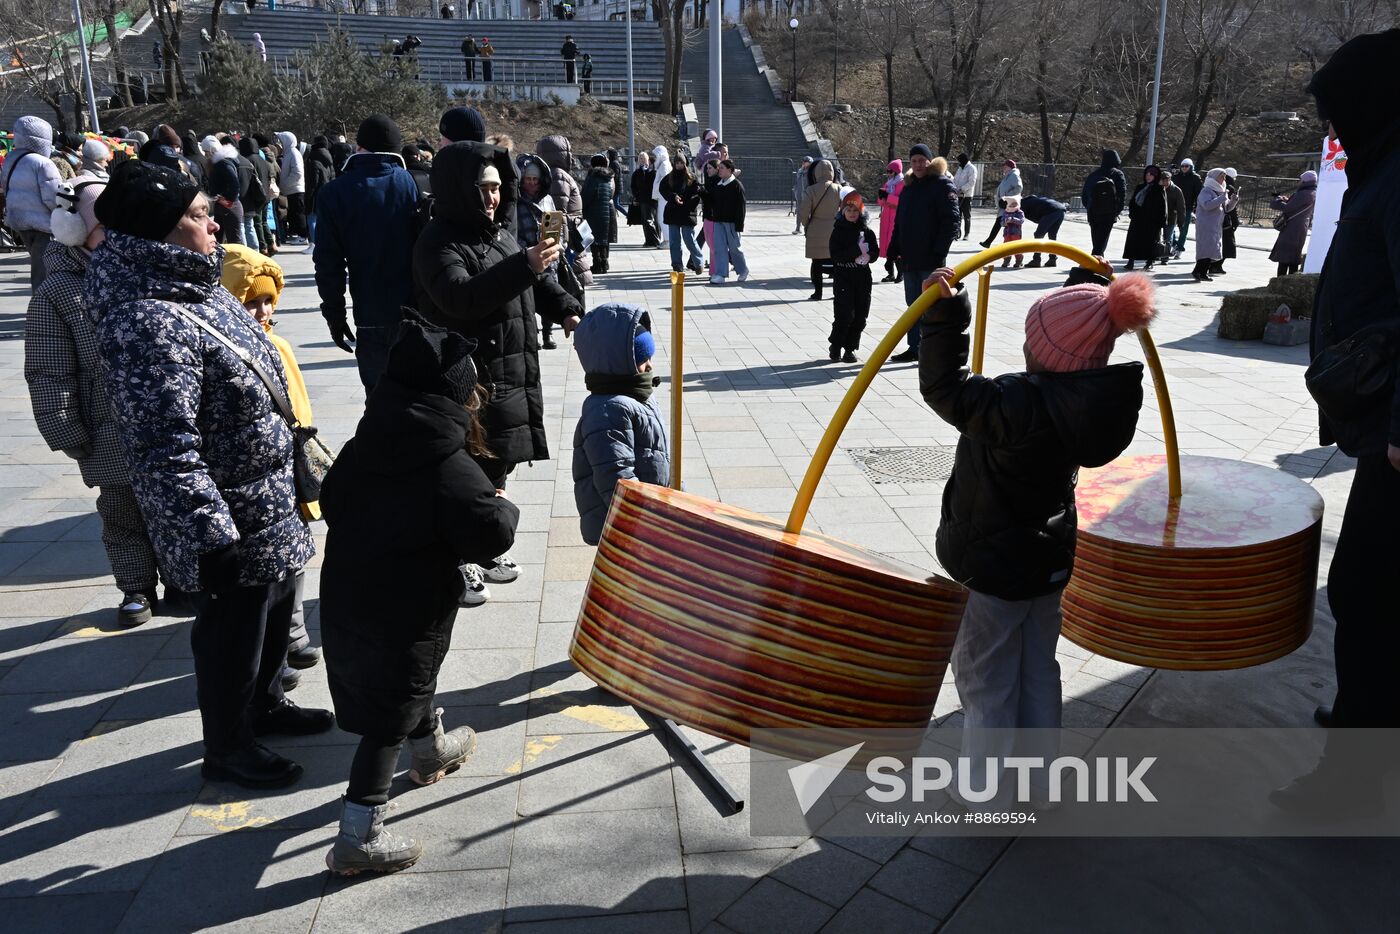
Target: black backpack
1103, 198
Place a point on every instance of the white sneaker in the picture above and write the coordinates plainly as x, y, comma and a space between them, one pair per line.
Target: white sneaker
475, 593
743, 277
503, 571
716, 280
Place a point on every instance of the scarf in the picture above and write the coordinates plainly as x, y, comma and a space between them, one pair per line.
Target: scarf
637, 385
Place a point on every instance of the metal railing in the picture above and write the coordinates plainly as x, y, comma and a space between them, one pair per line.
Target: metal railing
1065, 182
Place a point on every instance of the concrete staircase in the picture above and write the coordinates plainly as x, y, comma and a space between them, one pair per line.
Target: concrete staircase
525, 49
764, 137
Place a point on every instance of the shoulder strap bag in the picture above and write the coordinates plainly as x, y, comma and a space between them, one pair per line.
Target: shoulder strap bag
311, 458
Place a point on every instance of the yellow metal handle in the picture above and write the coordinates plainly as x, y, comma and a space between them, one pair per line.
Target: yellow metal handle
827, 446
677, 372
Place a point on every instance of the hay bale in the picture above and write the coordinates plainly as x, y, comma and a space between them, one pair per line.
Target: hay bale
1243, 314
1298, 292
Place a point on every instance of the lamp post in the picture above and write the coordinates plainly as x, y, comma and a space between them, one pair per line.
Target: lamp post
87, 67
1157, 84
631, 99
836, 34
792, 25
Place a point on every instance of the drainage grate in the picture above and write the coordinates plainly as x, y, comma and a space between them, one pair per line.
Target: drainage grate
906, 465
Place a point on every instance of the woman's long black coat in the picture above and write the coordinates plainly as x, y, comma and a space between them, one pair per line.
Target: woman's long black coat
1145, 223
404, 504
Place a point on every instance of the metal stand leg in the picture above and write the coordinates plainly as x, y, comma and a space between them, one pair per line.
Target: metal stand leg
716, 790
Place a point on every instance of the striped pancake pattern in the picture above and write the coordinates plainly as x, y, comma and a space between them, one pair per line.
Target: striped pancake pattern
715, 617
1201, 607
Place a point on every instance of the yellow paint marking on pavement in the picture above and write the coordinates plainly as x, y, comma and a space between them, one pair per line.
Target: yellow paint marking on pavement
535, 747
228, 814
612, 719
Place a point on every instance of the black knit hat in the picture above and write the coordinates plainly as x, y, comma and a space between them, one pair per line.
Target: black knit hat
145, 200
463, 125
379, 133
432, 359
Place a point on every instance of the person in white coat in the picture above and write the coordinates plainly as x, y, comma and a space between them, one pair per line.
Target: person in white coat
1009, 187
965, 181
31, 190
660, 157
291, 178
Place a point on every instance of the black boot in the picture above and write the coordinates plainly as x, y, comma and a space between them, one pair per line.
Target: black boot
1035, 261
1050, 262
252, 767
1129, 266
834, 353
288, 719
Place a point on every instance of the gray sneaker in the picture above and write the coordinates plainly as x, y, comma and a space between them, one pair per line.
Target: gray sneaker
439, 753
503, 571
364, 845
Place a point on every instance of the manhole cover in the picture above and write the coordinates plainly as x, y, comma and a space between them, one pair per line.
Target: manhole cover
906, 465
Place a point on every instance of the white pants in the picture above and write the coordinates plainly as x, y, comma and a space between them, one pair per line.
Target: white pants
1008, 679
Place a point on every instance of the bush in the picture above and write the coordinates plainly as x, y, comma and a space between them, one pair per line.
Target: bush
332, 86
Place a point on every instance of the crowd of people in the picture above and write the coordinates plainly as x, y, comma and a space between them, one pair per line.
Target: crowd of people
152, 362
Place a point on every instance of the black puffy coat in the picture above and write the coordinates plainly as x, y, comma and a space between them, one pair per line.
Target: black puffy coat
470, 275
688, 190
597, 204
1109, 170
1145, 222
1008, 522
926, 223
404, 504
643, 181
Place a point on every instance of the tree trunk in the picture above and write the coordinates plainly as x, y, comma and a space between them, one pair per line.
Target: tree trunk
889, 100
114, 45
668, 44
1224, 125
678, 44
1042, 74
214, 18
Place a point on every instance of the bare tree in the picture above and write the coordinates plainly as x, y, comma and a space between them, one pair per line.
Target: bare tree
1068, 35
954, 40
169, 18
45, 53
109, 11
885, 22
1214, 36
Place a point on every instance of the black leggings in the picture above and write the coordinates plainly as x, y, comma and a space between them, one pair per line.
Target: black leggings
891, 266
996, 225
965, 208
818, 267
376, 758
1288, 269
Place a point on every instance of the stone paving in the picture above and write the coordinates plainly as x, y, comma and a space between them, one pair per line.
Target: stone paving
571, 817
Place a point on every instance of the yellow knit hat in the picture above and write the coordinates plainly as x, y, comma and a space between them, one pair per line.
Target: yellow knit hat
249, 275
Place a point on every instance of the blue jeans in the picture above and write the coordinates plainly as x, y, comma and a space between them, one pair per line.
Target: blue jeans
725, 250
678, 231
1183, 227
250, 229
913, 288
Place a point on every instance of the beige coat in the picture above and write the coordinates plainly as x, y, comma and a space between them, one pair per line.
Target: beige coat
818, 210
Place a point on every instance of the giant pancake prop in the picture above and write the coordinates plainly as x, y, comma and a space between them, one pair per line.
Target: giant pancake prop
722, 619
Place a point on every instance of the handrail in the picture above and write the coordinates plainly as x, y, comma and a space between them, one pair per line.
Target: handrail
827, 446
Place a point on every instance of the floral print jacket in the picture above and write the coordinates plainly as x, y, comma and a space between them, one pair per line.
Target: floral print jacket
210, 456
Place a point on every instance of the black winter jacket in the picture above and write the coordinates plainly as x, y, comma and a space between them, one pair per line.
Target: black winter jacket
1108, 169
926, 223
1038, 207
597, 204
1190, 184
643, 182
727, 203
845, 250
472, 277
1009, 521
404, 504
683, 214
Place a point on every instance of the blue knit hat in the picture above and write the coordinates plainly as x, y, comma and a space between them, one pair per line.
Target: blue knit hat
643, 347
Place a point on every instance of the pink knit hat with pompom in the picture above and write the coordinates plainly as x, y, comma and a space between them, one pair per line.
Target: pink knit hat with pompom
1074, 328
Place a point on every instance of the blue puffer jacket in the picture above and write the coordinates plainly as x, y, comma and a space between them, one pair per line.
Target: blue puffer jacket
618, 435
210, 456
365, 224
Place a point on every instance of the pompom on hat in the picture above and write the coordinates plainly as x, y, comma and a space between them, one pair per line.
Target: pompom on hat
1074, 328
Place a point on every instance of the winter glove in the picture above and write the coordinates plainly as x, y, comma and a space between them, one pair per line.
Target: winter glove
340, 329
218, 570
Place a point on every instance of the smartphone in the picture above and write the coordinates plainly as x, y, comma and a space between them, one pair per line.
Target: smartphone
552, 226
